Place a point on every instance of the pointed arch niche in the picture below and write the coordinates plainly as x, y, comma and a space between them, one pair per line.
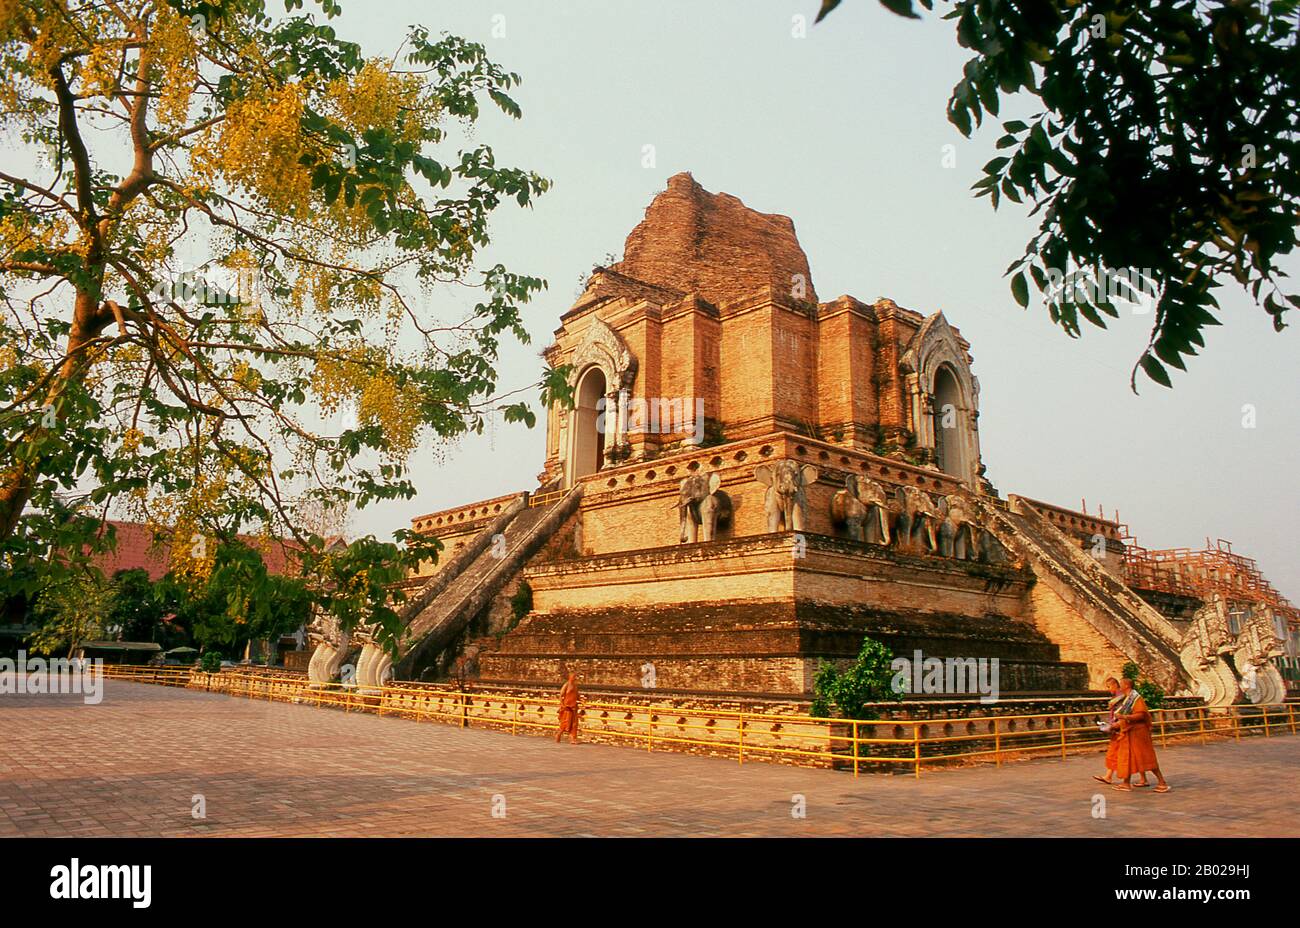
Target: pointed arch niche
595, 430
943, 396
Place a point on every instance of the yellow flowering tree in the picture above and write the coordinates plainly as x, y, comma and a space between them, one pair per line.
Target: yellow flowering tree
229, 231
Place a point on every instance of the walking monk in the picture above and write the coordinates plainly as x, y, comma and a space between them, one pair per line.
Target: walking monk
1112, 706
1135, 752
569, 710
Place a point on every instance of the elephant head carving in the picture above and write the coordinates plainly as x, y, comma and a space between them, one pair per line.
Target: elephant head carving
863, 508
960, 534
786, 501
702, 507
918, 524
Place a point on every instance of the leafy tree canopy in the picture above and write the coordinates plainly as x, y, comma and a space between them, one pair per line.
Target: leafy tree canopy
133, 608
235, 226
1166, 153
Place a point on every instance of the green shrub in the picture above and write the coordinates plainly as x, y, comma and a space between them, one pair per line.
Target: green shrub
522, 602
869, 679
1152, 693
210, 661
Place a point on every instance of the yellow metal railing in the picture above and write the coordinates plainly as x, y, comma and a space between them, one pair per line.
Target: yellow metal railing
843, 743
544, 499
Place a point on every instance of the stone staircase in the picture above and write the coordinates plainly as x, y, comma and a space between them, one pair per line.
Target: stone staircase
1118, 614
443, 609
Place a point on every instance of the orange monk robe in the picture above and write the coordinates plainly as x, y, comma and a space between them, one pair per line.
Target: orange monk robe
1112, 750
569, 707
1135, 752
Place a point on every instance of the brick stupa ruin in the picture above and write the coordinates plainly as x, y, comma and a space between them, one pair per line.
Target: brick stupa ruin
752, 480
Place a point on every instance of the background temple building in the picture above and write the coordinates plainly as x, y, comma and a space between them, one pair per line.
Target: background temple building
751, 480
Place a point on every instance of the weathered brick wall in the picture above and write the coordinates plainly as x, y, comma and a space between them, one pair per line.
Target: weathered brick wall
846, 394
713, 244
896, 328
456, 526
611, 615
745, 353
794, 367
706, 298
632, 506
1079, 641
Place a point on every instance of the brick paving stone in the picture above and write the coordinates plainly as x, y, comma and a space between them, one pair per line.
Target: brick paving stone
132, 765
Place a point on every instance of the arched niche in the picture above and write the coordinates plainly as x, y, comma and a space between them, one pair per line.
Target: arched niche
594, 431
943, 398
588, 455
950, 425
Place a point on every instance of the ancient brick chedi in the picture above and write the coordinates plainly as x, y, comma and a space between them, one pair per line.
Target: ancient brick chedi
710, 329
751, 480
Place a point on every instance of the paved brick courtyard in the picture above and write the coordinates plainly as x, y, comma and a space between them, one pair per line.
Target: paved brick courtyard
132, 765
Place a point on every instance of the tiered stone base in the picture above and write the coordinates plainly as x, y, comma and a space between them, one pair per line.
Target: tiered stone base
760, 615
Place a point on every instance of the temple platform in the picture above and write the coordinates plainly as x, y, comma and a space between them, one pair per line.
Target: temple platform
761, 614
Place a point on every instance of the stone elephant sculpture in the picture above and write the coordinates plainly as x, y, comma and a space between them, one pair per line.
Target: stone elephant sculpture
918, 523
959, 534
786, 502
863, 508
702, 508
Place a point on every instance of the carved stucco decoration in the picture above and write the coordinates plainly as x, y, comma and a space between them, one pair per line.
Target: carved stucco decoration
329, 649
1256, 646
601, 347
935, 346
1207, 641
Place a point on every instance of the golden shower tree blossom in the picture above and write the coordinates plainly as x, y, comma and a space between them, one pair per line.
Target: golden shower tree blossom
229, 223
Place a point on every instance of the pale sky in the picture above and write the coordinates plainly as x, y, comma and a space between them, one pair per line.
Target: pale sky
844, 131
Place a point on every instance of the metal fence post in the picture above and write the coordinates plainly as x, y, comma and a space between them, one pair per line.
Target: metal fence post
740, 742
1062, 736
916, 748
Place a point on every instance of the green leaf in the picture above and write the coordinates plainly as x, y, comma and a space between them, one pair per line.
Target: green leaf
1020, 290
827, 6
1155, 370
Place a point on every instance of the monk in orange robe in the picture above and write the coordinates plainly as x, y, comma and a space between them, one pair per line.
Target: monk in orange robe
1135, 751
569, 710
1112, 726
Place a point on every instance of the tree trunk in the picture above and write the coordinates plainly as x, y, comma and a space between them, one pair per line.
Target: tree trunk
17, 484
